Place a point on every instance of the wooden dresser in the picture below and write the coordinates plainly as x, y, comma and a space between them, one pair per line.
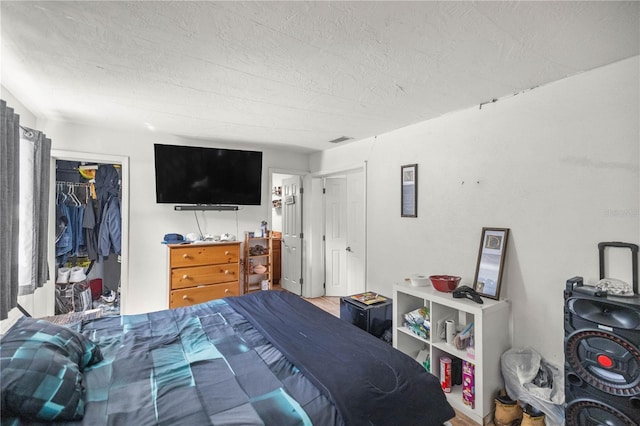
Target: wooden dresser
202, 272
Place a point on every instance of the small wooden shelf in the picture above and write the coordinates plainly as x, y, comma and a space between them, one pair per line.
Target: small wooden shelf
253, 281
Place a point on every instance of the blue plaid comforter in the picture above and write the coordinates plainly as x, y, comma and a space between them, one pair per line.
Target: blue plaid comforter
209, 364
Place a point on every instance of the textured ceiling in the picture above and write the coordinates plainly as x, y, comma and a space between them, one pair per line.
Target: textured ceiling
295, 74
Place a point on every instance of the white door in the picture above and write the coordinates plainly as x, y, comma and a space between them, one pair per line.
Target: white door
335, 210
345, 235
292, 235
356, 224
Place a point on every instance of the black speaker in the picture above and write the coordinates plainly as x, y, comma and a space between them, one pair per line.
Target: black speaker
602, 357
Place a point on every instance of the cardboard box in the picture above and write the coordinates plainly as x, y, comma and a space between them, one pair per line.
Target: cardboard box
468, 384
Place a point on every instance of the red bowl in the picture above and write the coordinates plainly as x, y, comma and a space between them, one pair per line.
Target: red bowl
444, 283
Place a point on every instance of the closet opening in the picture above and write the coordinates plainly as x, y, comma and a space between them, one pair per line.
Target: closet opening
89, 239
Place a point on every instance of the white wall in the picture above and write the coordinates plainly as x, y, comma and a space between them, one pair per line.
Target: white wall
27, 118
558, 165
148, 221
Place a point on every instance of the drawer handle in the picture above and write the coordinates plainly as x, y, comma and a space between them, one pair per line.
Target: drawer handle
226, 272
226, 252
226, 290
185, 297
186, 256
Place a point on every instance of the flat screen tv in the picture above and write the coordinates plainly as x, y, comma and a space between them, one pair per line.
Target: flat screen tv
207, 176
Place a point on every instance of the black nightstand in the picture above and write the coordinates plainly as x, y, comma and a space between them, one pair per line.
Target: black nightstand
374, 318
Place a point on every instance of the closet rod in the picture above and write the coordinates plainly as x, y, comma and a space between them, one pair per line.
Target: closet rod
61, 182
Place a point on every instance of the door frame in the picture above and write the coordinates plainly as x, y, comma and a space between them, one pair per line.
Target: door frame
318, 243
308, 284
123, 161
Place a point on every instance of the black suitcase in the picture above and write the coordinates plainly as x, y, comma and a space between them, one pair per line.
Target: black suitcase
634, 260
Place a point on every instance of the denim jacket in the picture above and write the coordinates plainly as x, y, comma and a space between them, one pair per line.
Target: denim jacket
109, 234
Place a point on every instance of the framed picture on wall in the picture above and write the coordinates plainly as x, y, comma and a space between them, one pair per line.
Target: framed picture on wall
409, 190
491, 256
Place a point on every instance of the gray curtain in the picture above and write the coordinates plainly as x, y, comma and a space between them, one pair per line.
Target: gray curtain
35, 160
10, 188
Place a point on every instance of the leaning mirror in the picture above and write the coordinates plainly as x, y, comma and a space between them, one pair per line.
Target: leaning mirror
491, 256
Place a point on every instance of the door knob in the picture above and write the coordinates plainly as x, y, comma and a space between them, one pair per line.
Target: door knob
348, 249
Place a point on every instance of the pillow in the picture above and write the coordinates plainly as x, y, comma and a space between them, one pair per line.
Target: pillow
41, 366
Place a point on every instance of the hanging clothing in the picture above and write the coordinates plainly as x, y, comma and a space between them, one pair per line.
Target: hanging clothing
109, 234
89, 227
70, 211
109, 217
107, 185
64, 236
73, 219
78, 235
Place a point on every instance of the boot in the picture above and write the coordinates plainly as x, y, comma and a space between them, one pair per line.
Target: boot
508, 411
532, 417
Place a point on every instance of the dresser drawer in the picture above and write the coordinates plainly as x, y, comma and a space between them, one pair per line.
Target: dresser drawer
204, 275
202, 272
194, 295
195, 255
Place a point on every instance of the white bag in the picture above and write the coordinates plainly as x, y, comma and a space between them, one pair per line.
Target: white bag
532, 380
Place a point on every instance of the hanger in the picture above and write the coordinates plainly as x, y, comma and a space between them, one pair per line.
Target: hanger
72, 195
62, 197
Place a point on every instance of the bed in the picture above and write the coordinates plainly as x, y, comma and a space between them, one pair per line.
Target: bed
267, 358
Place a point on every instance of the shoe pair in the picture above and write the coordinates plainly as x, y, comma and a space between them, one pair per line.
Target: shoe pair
73, 275
63, 276
509, 413
77, 275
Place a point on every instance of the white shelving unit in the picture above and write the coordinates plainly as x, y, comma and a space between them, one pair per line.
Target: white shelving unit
491, 339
